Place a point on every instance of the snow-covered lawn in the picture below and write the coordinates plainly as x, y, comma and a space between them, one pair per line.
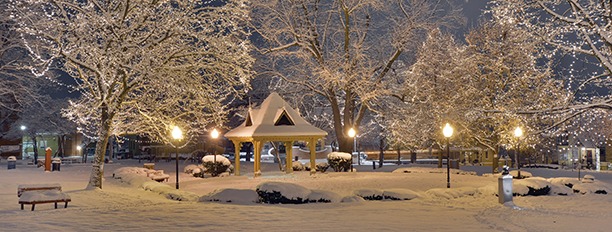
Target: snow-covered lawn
470, 204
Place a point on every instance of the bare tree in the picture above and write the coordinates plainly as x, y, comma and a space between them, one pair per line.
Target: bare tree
141, 67
340, 52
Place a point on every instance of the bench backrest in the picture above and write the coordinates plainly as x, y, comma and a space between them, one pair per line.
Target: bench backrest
34, 187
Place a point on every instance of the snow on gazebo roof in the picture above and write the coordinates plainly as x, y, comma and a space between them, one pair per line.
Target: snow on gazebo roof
274, 118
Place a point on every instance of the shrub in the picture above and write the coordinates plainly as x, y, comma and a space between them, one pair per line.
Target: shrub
298, 166
322, 167
282, 193
213, 168
339, 161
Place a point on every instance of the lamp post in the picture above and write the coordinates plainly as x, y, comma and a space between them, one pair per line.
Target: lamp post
177, 135
214, 134
518, 132
353, 134
448, 132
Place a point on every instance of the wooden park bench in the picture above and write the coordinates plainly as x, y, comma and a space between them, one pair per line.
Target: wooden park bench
157, 175
33, 194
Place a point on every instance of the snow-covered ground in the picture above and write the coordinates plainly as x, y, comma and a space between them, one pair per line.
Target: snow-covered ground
468, 206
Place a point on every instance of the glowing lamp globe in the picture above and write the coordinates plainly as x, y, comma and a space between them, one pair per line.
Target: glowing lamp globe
447, 131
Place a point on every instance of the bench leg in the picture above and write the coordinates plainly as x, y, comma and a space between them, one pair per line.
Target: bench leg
21, 206
66, 205
33, 207
56, 204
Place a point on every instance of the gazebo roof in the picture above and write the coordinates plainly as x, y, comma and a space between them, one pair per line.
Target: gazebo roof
275, 118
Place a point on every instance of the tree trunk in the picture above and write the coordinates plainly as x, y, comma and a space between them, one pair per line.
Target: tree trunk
381, 158
97, 171
35, 149
60, 146
277, 155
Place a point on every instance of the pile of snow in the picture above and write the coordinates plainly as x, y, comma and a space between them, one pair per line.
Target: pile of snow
136, 177
451, 193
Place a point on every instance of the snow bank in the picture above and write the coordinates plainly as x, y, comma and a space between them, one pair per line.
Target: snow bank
137, 177
451, 193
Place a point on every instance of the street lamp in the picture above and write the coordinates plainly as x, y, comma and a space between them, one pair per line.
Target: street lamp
448, 132
353, 134
518, 132
214, 134
177, 135
23, 127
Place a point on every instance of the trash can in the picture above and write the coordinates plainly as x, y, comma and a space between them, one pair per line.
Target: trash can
12, 161
55, 164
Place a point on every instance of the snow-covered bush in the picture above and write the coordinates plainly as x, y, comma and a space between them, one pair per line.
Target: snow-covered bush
298, 166
387, 194
590, 187
535, 186
339, 161
237, 196
369, 194
221, 165
289, 193
588, 179
322, 167
282, 193
189, 168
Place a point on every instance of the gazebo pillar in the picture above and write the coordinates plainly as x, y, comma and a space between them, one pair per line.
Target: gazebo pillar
312, 146
237, 146
257, 153
289, 157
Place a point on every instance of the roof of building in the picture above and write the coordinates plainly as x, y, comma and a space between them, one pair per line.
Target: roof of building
274, 118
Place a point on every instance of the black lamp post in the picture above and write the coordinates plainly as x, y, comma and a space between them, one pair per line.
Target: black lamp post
353, 134
177, 134
214, 134
448, 132
518, 132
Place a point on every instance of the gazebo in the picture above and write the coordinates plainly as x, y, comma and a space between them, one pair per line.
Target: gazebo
275, 120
